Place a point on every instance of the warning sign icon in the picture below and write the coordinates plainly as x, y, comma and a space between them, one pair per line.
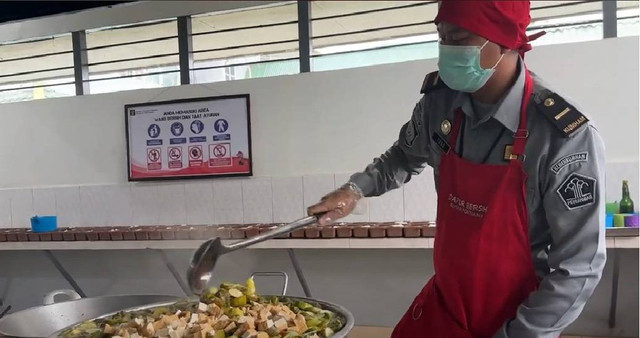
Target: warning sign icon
195, 156
219, 151
220, 155
154, 160
175, 157
195, 152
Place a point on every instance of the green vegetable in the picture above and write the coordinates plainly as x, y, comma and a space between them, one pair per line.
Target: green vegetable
314, 322
235, 293
234, 312
251, 287
229, 286
336, 323
315, 309
303, 305
239, 301
157, 312
292, 334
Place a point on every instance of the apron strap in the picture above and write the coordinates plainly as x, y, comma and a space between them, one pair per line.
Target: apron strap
455, 129
521, 135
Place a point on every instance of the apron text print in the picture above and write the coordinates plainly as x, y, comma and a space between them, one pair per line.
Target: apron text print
474, 210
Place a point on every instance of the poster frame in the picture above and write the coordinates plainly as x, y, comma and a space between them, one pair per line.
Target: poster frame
188, 100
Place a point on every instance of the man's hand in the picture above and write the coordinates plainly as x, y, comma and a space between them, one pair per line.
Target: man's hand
335, 205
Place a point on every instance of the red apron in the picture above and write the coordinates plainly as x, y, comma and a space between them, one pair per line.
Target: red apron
482, 256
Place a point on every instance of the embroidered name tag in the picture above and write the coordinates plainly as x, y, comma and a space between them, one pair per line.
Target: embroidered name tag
442, 144
565, 161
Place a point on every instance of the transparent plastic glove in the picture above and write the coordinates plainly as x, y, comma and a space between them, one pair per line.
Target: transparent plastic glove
338, 204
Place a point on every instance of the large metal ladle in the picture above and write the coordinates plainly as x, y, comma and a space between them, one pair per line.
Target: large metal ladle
205, 257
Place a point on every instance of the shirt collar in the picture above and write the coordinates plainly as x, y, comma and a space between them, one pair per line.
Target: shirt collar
508, 108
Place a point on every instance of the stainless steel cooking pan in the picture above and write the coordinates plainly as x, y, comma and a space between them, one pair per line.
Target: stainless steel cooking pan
340, 310
42, 321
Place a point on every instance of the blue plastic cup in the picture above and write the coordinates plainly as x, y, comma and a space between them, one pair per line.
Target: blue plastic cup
44, 223
609, 221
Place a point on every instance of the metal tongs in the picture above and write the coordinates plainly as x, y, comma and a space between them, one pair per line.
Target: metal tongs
205, 257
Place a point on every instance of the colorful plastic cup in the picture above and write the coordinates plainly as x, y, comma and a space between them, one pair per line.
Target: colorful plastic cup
618, 220
612, 208
609, 221
631, 221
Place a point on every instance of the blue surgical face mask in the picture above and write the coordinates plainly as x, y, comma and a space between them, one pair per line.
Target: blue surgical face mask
459, 67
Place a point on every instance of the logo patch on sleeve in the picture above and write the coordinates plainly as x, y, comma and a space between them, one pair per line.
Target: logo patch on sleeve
410, 134
565, 161
577, 191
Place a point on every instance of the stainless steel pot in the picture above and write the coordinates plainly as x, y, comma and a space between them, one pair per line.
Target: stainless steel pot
42, 321
340, 310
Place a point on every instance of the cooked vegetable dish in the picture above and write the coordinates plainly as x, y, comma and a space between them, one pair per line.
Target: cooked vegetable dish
232, 310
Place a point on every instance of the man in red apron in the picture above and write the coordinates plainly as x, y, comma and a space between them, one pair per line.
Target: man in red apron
520, 246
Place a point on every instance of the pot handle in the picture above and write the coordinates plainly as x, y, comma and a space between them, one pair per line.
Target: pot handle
49, 298
284, 275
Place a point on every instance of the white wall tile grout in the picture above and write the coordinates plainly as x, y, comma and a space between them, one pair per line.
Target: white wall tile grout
272, 199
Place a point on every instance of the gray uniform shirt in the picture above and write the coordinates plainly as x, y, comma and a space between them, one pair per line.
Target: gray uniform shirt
565, 190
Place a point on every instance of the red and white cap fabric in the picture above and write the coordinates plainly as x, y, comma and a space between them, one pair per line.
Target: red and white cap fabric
501, 22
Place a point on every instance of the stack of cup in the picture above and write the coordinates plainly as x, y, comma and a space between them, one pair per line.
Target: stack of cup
614, 219
611, 209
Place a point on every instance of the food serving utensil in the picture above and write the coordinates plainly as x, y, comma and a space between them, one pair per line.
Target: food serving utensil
205, 257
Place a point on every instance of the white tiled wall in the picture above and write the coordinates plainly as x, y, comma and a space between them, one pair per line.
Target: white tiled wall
68, 206
257, 200
388, 207
233, 201
198, 200
94, 205
227, 202
21, 207
288, 204
420, 200
171, 207
5, 210
119, 204
144, 201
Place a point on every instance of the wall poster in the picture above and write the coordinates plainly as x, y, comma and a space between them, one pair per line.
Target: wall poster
189, 138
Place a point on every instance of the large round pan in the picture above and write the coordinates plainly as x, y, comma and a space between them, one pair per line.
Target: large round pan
42, 321
340, 310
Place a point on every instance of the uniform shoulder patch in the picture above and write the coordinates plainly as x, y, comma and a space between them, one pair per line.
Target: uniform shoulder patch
432, 82
569, 159
577, 191
565, 117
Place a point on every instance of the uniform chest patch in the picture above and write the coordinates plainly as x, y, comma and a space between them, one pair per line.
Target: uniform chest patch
577, 191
